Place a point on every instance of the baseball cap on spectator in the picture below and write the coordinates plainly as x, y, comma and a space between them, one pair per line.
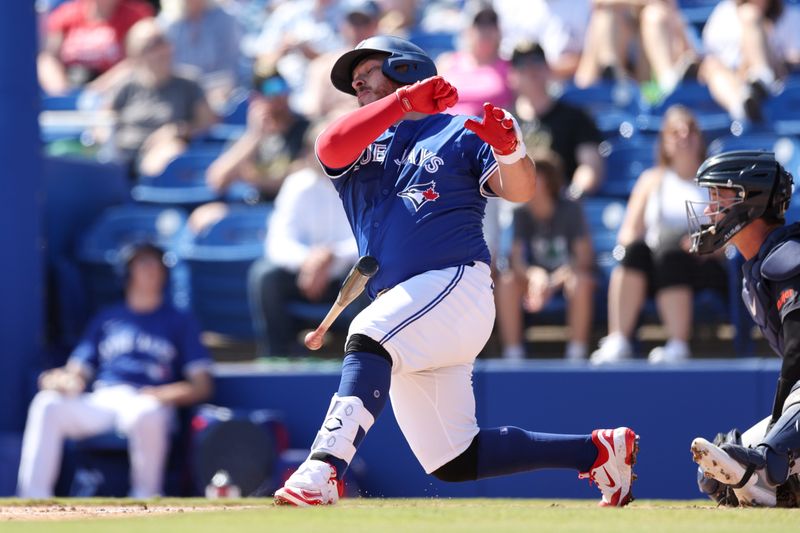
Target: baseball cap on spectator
267, 81
527, 52
360, 12
485, 16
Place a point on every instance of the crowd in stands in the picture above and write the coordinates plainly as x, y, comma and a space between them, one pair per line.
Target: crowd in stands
575, 73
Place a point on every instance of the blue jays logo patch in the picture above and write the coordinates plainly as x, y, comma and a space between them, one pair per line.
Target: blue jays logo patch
420, 194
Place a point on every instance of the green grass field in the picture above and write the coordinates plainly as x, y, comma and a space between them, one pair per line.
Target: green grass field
374, 515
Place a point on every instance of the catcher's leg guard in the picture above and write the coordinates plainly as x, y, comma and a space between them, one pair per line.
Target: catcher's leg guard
782, 443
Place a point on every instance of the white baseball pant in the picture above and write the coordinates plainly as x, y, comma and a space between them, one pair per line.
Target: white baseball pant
53, 417
434, 325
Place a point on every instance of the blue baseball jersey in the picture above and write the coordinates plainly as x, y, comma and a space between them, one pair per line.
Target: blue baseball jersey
416, 198
771, 285
141, 349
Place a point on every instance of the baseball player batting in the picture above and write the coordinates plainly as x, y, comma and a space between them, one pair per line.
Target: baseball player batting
414, 182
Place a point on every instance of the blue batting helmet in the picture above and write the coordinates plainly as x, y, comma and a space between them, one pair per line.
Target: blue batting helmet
405, 62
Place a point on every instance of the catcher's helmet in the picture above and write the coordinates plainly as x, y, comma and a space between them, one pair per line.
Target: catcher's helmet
405, 62
763, 189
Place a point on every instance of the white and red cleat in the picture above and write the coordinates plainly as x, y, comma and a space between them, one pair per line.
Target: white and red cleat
717, 464
612, 471
314, 483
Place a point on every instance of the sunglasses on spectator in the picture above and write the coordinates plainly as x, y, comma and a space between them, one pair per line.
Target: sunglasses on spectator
154, 42
272, 86
359, 19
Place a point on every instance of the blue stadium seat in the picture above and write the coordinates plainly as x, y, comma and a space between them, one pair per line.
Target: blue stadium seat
610, 104
218, 260
782, 111
696, 12
76, 193
434, 43
235, 111
183, 183
625, 159
786, 148
604, 216
66, 102
98, 250
712, 119
234, 119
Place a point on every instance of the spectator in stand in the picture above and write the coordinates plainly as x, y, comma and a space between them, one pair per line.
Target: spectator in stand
320, 98
272, 142
401, 17
551, 253
665, 41
294, 34
654, 238
749, 45
269, 150
477, 70
84, 40
142, 358
157, 110
310, 248
637, 39
549, 123
206, 37
559, 25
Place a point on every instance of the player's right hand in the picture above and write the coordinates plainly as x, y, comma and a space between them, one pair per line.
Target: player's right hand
429, 96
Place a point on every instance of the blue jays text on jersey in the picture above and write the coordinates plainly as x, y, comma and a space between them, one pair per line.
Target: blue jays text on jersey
124, 347
416, 198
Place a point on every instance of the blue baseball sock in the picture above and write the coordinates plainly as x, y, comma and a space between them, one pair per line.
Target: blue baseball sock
508, 449
366, 376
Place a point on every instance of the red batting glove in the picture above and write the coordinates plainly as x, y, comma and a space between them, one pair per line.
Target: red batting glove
499, 130
429, 96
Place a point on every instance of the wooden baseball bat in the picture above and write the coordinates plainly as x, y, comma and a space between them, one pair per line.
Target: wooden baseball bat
353, 285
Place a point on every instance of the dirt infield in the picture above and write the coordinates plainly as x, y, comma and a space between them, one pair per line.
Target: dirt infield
24, 513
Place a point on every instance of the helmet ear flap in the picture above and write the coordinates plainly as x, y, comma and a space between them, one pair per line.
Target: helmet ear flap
782, 196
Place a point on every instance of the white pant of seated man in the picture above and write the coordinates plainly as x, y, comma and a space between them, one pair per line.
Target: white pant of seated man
54, 417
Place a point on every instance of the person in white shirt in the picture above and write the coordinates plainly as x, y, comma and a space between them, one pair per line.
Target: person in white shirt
749, 44
309, 250
653, 249
559, 25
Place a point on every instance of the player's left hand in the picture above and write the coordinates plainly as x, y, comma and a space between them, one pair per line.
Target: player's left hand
500, 130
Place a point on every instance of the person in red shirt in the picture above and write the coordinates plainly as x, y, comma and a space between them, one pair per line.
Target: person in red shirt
84, 39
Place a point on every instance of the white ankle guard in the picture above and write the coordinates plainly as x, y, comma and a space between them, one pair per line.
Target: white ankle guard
338, 433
